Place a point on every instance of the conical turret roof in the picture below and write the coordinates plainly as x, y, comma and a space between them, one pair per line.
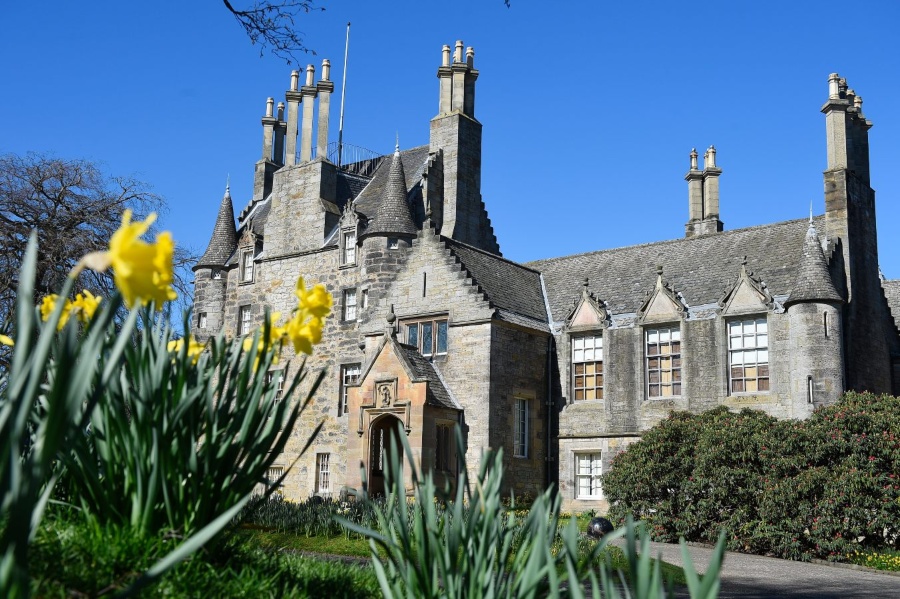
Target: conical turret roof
393, 217
813, 283
224, 238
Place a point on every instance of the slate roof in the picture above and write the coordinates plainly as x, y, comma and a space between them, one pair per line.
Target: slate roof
223, 241
393, 214
513, 288
813, 282
369, 198
424, 370
892, 293
700, 268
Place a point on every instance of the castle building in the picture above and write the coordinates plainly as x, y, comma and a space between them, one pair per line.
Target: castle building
561, 362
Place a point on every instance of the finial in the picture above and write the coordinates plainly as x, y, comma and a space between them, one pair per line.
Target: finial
397, 146
810, 213
391, 318
585, 283
228, 183
744, 260
659, 269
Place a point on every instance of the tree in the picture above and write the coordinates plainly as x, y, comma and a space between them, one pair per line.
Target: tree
271, 25
74, 208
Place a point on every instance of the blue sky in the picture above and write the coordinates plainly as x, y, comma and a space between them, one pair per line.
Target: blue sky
589, 108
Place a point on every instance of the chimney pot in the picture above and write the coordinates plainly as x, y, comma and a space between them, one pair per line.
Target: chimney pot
326, 70
310, 74
470, 56
833, 83
710, 157
445, 56
270, 103
295, 79
694, 159
281, 111
457, 54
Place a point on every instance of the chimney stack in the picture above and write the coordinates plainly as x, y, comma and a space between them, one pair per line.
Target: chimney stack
308, 92
293, 98
280, 128
444, 74
324, 88
703, 195
268, 123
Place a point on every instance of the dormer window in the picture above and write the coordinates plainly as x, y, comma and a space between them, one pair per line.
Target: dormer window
247, 266
348, 246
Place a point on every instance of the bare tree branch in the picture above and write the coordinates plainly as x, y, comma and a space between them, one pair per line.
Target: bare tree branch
271, 25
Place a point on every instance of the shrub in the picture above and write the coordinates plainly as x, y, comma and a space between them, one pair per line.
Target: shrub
822, 487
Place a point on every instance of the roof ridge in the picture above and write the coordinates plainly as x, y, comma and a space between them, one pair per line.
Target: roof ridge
679, 240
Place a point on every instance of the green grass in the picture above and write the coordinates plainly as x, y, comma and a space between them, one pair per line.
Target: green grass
72, 558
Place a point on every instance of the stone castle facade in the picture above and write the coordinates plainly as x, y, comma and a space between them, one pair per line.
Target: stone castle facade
561, 362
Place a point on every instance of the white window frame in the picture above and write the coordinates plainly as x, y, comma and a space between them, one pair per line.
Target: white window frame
276, 377
323, 473
662, 338
245, 320
350, 374
247, 266
350, 304
273, 473
748, 350
588, 469
521, 427
348, 247
587, 350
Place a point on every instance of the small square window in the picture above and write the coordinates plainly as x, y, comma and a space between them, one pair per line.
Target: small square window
216, 274
350, 304
393, 243
588, 469
201, 320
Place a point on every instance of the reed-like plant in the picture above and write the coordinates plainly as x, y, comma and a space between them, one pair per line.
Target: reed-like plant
142, 430
477, 548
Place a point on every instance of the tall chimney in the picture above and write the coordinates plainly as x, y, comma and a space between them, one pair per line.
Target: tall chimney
324, 88
293, 98
444, 74
308, 92
268, 123
280, 129
694, 177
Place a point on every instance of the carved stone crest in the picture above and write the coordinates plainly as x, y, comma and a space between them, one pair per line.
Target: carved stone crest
385, 393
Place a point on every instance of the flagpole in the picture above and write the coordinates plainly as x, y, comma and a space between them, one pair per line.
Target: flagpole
343, 92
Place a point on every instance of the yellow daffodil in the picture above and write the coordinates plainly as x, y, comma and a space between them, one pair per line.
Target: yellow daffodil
316, 301
304, 333
48, 304
4, 340
143, 271
195, 348
85, 305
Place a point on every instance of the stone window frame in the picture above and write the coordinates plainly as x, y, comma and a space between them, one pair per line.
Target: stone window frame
595, 456
443, 447
573, 376
349, 310
353, 260
273, 473
244, 319
744, 350
521, 427
437, 323
393, 243
216, 274
675, 371
323, 473
202, 320
247, 269
344, 381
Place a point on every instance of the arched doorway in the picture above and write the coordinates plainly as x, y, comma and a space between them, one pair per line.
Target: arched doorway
383, 431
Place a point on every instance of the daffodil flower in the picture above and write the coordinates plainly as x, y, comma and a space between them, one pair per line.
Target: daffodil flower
85, 305
4, 340
195, 348
316, 301
48, 304
143, 271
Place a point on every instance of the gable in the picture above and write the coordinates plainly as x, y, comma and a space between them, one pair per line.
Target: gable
745, 299
586, 315
661, 306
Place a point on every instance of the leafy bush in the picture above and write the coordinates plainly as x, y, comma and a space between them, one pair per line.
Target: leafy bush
821, 487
